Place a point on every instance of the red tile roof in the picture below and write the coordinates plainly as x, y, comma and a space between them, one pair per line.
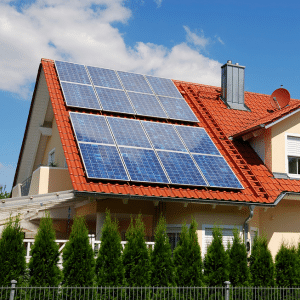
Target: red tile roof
219, 122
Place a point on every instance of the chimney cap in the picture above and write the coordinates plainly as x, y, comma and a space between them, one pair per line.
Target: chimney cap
229, 61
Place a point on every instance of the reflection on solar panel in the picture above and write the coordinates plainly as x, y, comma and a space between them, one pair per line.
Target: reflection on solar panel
102, 161
114, 100
72, 72
143, 165
91, 128
128, 132
181, 168
105, 78
197, 140
217, 172
178, 109
79, 95
147, 105
163, 136
163, 87
134, 82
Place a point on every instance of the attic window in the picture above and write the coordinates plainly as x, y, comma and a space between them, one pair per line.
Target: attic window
293, 155
51, 158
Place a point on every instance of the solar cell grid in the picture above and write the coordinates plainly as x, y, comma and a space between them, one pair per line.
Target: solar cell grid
197, 140
178, 109
78, 95
134, 82
181, 168
163, 136
114, 100
163, 87
104, 77
72, 72
217, 172
128, 132
147, 105
102, 162
143, 165
91, 128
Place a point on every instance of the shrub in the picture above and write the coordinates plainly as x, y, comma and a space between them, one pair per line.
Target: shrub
78, 257
216, 261
136, 255
238, 264
12, 253
261, 263
161, 258
109, 266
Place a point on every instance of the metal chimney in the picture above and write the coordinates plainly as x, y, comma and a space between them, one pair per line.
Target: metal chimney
233, 77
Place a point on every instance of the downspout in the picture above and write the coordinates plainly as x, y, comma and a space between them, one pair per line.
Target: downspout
246, 226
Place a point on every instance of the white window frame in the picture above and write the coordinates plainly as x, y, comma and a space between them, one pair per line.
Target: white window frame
287, 154
51, 152
211, 226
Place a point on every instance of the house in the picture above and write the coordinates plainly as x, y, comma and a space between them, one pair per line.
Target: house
256, 140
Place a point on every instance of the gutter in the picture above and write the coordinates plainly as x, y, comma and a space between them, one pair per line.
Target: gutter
246, 223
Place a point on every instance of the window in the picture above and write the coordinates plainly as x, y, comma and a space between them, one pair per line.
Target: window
293, 155
51, 158
173, 232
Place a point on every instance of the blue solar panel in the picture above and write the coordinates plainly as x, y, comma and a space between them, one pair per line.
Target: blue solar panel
105, 78
164, 136
217, 172
178, 109
134, 82
128, 132
102, 162
91, 128
72, 72
79, 95
181, 168
163, 87
114, 100
147, 105
143, 165
197, 140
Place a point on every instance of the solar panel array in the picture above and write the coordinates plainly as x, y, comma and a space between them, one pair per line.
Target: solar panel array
131, 150
122, 92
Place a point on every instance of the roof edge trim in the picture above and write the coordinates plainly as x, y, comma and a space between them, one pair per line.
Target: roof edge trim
282, 118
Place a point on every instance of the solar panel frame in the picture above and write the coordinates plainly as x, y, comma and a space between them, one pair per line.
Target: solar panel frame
76, 93
177, 109
222, 174
163, 86
134, 82
135, 169
103, 77
75, 73
108, 103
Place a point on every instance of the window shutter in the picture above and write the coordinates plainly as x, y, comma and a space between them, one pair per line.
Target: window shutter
208, 239
293, 146
227, 237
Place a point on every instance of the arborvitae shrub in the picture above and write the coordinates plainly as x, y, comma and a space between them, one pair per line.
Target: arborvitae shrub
109, 266
136, 255
43, 269
261, 263
216, 261
161, 258
78, 257
287, 266
238, 264
12, 253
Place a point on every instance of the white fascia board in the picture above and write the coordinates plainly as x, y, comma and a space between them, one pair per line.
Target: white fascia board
283, 118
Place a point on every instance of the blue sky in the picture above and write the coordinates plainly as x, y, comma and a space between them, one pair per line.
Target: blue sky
187, 40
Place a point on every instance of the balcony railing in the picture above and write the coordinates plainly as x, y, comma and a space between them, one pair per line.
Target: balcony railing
25, 186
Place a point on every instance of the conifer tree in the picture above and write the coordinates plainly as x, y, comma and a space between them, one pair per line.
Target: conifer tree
136, 255
43, 269
109, 266
287, 266
238, 265
261, 263
78, 257
216, 261
161, 257
12, 253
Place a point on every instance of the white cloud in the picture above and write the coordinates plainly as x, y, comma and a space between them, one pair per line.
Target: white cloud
158, 2
82, 31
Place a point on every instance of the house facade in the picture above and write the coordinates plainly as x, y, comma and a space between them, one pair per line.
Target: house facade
259, 141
